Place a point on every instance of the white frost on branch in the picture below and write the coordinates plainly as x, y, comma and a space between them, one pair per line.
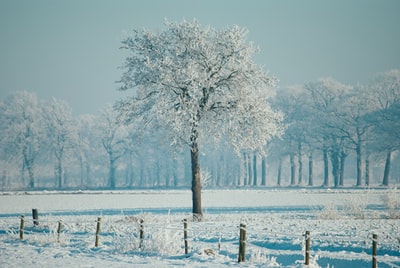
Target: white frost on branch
199, 84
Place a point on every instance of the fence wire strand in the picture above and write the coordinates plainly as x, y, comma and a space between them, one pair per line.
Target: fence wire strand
124, 230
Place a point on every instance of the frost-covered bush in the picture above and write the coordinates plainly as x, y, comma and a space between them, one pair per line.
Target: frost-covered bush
355, 207
125, 242
163, 241
259, 257
313, 263
159, 237
329, 212
391, 201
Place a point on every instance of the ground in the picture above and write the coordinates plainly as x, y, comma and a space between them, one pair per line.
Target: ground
341, 224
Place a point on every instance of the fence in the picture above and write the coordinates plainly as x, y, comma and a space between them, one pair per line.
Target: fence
134, 234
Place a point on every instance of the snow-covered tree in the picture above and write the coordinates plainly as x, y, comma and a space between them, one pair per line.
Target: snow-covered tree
352, 109
113, 137
325, 96
22, 131
200, 85
61, 134
87, 146
386, 87
294, 102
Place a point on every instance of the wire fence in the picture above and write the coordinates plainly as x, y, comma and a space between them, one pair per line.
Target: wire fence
176, 235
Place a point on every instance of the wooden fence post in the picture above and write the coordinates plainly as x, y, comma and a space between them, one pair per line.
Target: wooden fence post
35, 216
242, 243
307, 251
374, 248
59, 231
219, 241
141, 233
185, 235
21, 227
96, 244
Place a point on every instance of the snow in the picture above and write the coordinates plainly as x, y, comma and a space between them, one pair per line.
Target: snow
341, 223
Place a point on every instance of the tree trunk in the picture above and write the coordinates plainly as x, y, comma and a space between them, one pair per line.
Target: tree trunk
23, 172
342, 161
358, 151
279, 179
335, 166
263, 171
31, 177
300, 162
255, 169
175, 171
196, 182
244, 168
111, 178
292, 170
367, 171
326, 167
168, 177
310, 170
130, 169
249, 170
29, 166
59, 174
386, 173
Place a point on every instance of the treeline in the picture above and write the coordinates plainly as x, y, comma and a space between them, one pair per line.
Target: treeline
44, 147
336, 135
334, 121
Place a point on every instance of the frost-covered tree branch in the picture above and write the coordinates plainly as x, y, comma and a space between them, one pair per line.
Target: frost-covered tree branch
184, 73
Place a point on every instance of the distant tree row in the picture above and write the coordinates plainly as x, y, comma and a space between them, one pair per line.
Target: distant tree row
42, 146
337, 121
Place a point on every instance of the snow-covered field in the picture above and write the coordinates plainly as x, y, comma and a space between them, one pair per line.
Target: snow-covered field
341, 223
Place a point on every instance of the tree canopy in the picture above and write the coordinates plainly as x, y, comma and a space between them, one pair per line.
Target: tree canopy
189, 78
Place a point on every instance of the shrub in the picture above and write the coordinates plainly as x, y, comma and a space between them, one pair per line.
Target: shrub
355, 207
391, 201
329, 212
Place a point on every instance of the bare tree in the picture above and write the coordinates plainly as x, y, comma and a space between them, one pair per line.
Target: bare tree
61, 135
325, 98
387, 117
294, 102
22, 135
87, 146
113, 137
354, 129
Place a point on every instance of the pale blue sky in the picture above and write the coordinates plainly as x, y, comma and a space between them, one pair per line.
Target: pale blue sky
68, 49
